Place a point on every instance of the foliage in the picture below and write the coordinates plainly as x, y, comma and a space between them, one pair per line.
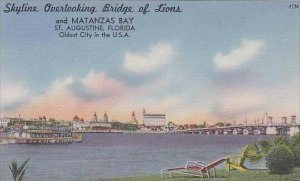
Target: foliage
52, 120
260, 149
264, 146
204, 125
228, 124
123, 126
295, 139
220, 124
18, 172
282, 141
10, 123
201, 126
296, 151
280, 159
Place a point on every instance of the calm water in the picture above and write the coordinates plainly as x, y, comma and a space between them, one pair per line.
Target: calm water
114, 155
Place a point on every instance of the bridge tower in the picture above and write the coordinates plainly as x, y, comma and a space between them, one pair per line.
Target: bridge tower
293, 119
265, 119
270, 120
284, 120
246, 122
294, 129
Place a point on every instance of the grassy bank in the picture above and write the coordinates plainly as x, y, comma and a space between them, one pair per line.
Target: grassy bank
222, 175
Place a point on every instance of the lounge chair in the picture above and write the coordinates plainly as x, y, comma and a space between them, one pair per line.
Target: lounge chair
236, 162
195, 168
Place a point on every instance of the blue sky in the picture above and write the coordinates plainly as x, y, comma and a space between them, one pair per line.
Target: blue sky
214, 61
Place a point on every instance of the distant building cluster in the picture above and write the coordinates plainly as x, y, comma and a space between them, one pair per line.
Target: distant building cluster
4, 121
157, 122
95, 124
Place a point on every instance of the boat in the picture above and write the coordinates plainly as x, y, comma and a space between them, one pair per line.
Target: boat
40, 132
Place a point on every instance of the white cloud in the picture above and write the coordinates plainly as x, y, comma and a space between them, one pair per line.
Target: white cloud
60, 86
158, 55
238, 56
13, 92
99, 83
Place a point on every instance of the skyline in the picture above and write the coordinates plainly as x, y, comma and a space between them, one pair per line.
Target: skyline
217, 62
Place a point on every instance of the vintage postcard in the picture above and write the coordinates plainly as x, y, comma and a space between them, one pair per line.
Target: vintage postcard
149, 90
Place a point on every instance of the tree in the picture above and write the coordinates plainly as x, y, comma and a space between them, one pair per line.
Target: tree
220, 124
295, 140
18, 173
296, 151
261, 149
280, 159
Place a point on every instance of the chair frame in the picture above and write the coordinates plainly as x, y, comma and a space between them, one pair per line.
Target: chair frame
233, 164
195, 168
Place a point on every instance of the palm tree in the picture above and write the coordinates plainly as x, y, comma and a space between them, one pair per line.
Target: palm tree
18, 173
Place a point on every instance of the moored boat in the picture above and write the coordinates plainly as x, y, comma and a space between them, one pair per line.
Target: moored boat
39, 132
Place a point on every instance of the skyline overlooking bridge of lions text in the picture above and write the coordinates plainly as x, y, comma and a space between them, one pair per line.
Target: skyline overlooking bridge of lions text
233, 62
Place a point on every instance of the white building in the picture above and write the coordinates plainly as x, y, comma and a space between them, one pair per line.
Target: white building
154, 120
80, 126
4, 122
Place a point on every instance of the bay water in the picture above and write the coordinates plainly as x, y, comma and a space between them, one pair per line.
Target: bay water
108, 155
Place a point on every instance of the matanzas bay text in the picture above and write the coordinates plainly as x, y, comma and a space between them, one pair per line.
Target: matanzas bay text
74, 27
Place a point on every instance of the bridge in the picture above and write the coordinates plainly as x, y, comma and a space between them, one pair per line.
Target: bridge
270, 128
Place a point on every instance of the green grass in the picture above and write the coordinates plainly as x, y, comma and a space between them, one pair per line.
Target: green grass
222, 175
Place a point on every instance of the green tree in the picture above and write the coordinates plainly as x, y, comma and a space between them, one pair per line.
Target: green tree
280, 159
261, 148
220, 124
18, 172
296, 151
202, 125
123, 126
295, 140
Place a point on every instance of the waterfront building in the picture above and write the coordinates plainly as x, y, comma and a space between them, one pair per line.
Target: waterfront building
153, 120
133, 119
79, 125
4, 122
170, 126
96, 124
